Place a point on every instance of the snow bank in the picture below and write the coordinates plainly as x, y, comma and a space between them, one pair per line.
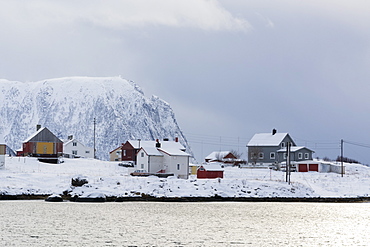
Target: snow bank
27, 176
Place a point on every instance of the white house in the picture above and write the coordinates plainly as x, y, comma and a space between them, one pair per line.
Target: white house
74, 148
166, 156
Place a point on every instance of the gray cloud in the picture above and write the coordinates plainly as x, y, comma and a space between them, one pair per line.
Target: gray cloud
228, 68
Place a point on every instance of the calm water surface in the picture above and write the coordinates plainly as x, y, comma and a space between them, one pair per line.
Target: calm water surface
39, 223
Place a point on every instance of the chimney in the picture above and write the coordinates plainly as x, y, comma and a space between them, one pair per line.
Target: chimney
176, 139
38, 127
274, 131
158, 144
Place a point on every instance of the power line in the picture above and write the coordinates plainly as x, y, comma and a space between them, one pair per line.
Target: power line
357, 144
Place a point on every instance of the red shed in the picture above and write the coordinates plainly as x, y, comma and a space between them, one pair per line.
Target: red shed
43, 143
210, 171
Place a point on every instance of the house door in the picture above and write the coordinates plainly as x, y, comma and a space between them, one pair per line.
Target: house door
302, 168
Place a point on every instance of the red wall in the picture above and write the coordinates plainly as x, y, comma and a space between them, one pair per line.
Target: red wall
130, 152
210, 174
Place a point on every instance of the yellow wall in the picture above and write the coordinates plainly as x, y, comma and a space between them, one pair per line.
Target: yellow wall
2, 149
194, 170
45, 148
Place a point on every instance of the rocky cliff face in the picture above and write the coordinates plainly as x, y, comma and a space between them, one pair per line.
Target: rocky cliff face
68, 106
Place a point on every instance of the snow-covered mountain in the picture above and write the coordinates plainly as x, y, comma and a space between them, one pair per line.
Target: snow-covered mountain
68, 106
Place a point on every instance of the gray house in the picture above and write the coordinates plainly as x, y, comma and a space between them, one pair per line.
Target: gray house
296, 154
270, 148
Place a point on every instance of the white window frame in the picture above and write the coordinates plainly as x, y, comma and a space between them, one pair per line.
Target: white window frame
300, 156
261, 155
74, 152
253, 155
282, 145
272, 155
306, 156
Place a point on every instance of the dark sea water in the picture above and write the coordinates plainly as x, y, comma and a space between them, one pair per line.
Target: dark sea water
39, 223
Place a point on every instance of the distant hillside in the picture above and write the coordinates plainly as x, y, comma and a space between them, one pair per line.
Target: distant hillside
68, 106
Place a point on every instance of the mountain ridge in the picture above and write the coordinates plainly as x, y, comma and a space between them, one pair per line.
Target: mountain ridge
68, 106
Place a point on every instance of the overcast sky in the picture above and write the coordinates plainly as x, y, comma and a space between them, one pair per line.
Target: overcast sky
229, 68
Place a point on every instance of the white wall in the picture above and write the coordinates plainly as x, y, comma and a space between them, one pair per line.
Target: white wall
142, 160
2, 161
155, 163
81, 149
172, 163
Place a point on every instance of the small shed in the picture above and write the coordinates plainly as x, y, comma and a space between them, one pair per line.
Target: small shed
210, 171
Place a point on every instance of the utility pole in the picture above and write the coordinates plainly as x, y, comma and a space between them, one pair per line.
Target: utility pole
341, 158
94, 138
287, 166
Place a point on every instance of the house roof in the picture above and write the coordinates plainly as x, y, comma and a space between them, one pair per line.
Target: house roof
267, 139
167, 147
43, 134
79, 143
217, 155
173, 151
164, 144
114, 150
34, 134
152, 151
213, 167
69, 141
294, 149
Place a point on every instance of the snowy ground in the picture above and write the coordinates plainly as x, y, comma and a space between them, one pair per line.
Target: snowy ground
28, 176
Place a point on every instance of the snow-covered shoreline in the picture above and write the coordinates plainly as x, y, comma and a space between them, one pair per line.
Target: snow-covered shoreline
26, 178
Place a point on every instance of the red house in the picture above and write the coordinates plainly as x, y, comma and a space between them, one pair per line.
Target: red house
43, 143
128, 150
210, 171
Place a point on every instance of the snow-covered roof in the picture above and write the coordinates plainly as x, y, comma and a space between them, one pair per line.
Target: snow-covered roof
217, 155
267, 139
213, 167
152, 151
34, 134
164, 144
74, 140
173, 151
168, 147
115, 150
71, 140
294, 149
47, 135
